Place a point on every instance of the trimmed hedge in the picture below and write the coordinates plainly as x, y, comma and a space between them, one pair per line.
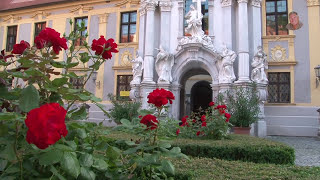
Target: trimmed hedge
205, 169
238, 147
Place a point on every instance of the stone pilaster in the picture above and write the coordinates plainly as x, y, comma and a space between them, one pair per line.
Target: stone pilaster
261, 125
218, 23
243, 43
142, 21
165, 8
181, 17
175, 108
150, 7
211, 17
256, 24
227, 22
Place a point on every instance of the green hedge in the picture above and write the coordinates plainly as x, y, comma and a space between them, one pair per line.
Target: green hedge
238, 147
205, 169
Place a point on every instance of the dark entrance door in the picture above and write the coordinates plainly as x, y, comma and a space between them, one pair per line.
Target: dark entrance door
201, 95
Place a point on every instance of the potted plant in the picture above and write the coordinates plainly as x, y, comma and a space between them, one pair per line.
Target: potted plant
243, 105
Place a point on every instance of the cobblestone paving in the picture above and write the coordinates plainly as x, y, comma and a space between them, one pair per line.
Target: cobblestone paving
307, 149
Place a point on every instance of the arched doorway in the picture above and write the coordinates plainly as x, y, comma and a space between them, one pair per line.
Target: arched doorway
201, 95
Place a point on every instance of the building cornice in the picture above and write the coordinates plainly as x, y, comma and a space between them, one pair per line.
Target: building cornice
313, 2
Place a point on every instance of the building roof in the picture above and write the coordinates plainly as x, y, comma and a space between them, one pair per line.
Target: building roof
9, 5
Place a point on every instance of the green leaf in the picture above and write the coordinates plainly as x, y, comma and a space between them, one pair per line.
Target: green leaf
58, 64
84, 96
8, 153
19, 74
50, 157
113, 153
80, 114
29, 98
13, 169
63, 147
167, 167
59, 81
3, 164
56, 173
87, 174
84, 57
8, 116
86, 160
165, 145
70, 164
81, 133
71, 65
100, 164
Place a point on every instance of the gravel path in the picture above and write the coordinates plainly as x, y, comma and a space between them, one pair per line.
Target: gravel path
307, 149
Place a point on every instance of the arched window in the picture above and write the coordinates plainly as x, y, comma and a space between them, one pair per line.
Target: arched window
204, 11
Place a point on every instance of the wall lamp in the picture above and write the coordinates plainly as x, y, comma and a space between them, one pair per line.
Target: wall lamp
94, 78
317, 71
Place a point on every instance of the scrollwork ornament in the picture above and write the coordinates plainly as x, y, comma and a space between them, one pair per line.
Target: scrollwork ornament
165, 5
226, 3
256, 3
150, 5
313, 2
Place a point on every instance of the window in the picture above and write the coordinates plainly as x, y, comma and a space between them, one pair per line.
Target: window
77, 82
277, 17
11, 37
78, 21
204, 11
123, 85
279, 87
128, 27
38, 27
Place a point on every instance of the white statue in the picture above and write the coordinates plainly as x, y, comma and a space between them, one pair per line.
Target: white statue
226, 72
164, 63
259, 64
137, 69
194, 23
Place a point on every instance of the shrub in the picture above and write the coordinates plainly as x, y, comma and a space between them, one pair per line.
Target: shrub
123, 109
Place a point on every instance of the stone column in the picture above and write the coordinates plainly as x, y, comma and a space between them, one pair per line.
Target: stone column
227, 22
149, 43
165, 7
142, 21
243, 42
256, 24
215, 91
175, 108
260, 127
211, 18
218, 23
181, 18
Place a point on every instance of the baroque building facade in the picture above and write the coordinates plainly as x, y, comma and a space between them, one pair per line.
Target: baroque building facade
173, 45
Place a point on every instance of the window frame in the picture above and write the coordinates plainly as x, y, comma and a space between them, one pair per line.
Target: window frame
278, 83
42, 28
83, 37
276, 14
128, 24
14, 35
127, 86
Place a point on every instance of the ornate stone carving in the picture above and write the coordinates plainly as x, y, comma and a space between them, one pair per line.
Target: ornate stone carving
225, 3
313, 2
81, 9
242, 1
103, 18
150, 5
226, 72
40, 15
137, 69
164, 63
256, 3
121, 3
165, 5
11, 18
278, 53
125, 58
259, 64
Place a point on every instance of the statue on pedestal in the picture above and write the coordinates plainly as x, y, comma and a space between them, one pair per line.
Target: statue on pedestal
226, 72
194, 23
259, 65
137, 69
164, 63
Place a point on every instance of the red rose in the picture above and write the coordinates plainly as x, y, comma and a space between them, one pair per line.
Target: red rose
184, 121
49, 37
19, 48
211, 104
104, 47
4, 57
194, 121
150, 121
160, 97
228, 116
178, 132
204, 124
198, 133
203, 118
46, 125
221, 111
140, 116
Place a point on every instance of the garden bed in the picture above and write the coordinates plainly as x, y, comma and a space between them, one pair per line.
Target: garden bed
238, 147
205, 168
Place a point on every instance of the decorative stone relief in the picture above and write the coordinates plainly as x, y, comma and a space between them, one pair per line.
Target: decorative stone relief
39, 15
278, 53
165, 5
226, 72
81, 9
103, 18
242, 1
125, 58
121, 3
151, 5
11, 18
256, 3
225, 3
137, 69
164, 63
313, 2
259, 65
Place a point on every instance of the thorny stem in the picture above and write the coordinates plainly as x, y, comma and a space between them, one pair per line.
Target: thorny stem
15, 148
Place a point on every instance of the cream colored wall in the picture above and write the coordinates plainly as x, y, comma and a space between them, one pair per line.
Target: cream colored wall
77, 9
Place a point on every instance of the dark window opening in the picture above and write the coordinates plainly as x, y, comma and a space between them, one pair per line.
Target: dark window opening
78, 21
128, 27
11, 37
279, 87
38, 27
123, 86
276, 17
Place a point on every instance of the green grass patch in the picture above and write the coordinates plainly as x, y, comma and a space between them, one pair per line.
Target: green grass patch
206, 168
238, 147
